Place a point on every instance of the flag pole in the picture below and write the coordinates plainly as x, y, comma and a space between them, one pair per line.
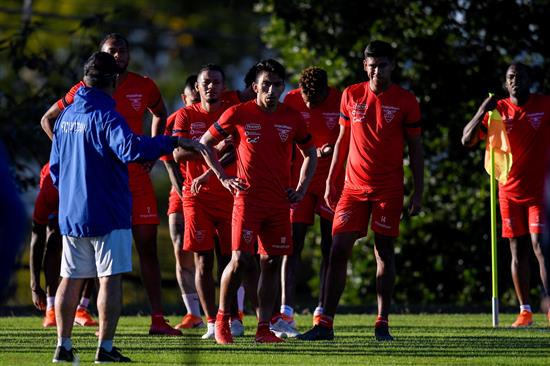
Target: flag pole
494, 267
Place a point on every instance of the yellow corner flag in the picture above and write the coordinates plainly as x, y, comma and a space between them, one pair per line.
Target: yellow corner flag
497, 139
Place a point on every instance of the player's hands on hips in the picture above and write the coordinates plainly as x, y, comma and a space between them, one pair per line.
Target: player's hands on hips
39, 298
415, 204
234, 184
294, 195
198, 183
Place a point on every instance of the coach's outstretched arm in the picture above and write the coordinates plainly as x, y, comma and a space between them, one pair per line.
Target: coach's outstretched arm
470, 134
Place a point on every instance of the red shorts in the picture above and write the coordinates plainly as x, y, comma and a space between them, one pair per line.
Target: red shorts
174, 203
47, 202
271, 225
203, 220
354, 210
313, 203
519, 220
144, 202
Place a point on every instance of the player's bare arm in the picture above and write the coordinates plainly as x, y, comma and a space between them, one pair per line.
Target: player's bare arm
337, 165
158, 122
416, 157
306, 174
48, 120
233, 184
470, 134
36, 255
175, 175
228, 158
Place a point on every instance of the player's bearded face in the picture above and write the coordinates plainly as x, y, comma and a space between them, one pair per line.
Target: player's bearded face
210, 84
268, 87
379, 71
119, 51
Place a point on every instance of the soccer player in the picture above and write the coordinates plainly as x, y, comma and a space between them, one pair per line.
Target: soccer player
377, 117
207, 204
134, 95
185, 267
95, 209
264, 132
319, 105
45, 247
526, 118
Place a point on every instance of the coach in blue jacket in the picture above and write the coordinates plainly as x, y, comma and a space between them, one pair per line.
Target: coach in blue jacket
92, 145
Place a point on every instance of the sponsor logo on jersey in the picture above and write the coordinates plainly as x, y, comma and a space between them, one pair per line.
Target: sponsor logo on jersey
508, 123
389, 112
198, 125
247, 236
253, 140
331, 119
535, 119
284, 131
135, 100
359, 112
253, 126
306, 116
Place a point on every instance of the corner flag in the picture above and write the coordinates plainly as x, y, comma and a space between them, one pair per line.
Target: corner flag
498, 162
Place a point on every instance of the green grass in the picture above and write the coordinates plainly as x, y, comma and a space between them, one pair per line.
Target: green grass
419, 340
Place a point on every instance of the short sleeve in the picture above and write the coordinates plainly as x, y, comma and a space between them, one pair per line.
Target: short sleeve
345, 114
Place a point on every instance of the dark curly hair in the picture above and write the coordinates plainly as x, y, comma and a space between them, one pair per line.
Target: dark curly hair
313, 81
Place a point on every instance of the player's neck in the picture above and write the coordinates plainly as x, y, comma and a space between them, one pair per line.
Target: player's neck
211, 107
122, 76
377, 89
519, 100
267, 108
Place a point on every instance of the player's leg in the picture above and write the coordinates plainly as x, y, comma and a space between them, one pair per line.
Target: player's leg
230, 282
52, 263
326, 244
288, 268
520, 251
83, 316
385, 281
204, 282
185, 271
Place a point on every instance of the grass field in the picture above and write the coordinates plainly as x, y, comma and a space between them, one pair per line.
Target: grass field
419, 340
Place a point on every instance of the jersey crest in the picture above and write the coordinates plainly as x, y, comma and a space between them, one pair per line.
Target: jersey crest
135, 100
284, 131
331, 119
389, 112
535, 119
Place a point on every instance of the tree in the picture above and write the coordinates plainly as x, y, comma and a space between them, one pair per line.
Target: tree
450, 54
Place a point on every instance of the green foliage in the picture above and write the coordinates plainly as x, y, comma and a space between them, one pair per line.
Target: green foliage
450, 54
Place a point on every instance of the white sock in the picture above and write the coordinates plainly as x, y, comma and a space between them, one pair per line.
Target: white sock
525, 307
50, 302
319, 310
211, 327
84, 302
287, 310
192, 303
240, 298
107, 344
65, 342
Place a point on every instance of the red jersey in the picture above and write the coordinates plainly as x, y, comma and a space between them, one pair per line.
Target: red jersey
231, 97
168, 131
264, 144
322, 123
133, 96
378, 125
528, 130
192, 122
44, 173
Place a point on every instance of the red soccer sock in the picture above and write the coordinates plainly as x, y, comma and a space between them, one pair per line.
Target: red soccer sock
381, 321
325, 321
210, 319
263, 326
222, 316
